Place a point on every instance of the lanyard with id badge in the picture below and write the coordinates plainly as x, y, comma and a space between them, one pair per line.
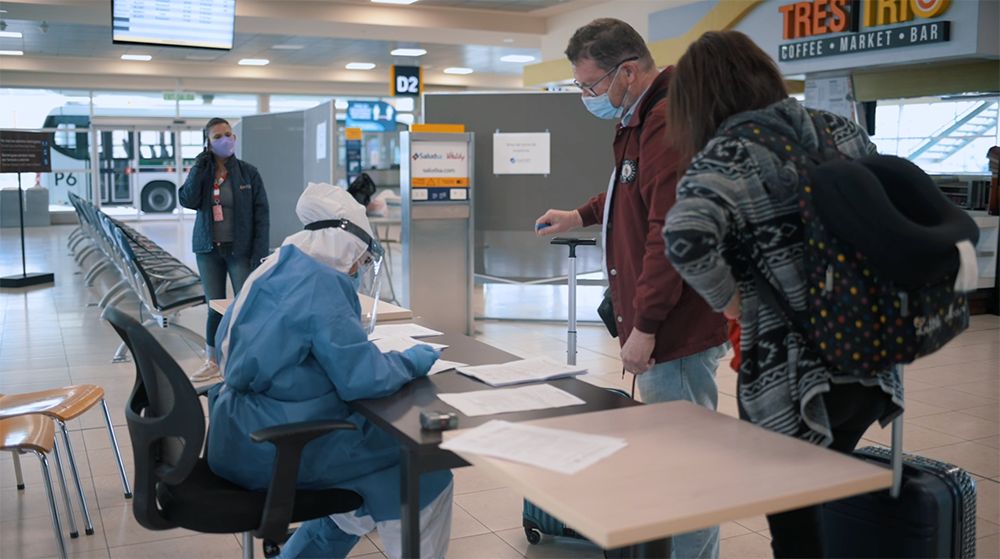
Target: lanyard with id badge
217, 195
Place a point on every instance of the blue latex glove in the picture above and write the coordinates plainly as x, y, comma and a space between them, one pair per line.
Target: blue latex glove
422, 356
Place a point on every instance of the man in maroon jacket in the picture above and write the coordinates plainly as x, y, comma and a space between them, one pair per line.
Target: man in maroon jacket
671, 339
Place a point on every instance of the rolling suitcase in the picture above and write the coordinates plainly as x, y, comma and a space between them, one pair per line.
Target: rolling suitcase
930, 511
535, 520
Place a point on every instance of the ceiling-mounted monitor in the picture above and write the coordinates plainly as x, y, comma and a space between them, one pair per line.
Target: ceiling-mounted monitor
207, 24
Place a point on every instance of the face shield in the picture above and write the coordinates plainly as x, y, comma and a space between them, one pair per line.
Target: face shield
369, 266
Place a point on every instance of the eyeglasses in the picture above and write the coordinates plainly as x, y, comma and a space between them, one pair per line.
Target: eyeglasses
590, 88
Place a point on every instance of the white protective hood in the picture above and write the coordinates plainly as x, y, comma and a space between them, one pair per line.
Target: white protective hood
334, 247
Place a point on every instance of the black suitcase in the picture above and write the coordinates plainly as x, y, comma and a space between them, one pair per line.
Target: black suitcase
934, 515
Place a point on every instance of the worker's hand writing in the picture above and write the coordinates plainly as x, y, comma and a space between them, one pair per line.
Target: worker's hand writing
553, 222
423, 357
637, 352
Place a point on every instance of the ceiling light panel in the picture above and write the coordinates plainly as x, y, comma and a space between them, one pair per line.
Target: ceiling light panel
137, 57
397, 2
360, 66
254, 62
517, 58
458, 71
408, 52
11, 35
11, 53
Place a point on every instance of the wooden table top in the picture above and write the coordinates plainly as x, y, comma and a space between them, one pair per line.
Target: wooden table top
685, 468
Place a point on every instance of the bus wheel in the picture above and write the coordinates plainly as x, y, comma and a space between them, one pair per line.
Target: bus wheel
159, 197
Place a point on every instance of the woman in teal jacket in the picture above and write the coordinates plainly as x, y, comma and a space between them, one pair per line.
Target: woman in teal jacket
292, 348
232, 225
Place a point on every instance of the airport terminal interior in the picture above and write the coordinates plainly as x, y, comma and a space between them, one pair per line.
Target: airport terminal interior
437, 135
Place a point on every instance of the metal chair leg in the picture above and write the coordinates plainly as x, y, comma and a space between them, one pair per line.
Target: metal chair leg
82, 255
121, 354
88, 526
73, 532
17, 471
114, 446
56, 527
115, 290
247, 545
95, 271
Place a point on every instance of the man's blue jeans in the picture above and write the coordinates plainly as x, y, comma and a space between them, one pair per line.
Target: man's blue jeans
213, 267
690, 378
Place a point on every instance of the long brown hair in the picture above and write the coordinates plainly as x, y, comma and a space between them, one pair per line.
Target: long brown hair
721, 74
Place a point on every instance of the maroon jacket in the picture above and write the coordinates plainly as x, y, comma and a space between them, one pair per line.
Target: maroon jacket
646, 291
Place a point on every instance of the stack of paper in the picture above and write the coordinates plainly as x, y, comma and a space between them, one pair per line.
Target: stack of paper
407, 330
441, 366
562, 451
489, 402
393, 343
526, 370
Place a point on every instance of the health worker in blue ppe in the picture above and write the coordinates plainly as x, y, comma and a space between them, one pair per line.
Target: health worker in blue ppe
292, 348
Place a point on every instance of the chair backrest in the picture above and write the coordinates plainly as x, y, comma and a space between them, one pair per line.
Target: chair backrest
165, 419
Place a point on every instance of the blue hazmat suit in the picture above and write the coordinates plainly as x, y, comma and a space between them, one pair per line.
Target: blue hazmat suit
297, 351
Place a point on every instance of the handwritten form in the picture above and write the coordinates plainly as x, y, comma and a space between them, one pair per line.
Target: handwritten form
525, 370
506, 400
559, 450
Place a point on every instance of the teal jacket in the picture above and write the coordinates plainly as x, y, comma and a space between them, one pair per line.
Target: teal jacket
252, 221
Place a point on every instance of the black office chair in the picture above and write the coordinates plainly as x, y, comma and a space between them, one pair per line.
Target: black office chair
174, 486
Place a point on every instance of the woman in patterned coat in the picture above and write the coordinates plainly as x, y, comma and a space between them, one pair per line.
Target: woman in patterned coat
733, 186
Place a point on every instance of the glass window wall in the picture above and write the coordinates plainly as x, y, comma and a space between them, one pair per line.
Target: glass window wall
942, 135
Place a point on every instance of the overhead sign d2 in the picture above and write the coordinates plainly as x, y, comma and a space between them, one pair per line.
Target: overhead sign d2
407, 81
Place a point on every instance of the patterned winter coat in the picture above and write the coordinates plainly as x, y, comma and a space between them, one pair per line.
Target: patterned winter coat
735, 185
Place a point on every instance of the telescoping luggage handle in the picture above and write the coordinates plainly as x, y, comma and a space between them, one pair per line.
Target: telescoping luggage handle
897, 451
572, 243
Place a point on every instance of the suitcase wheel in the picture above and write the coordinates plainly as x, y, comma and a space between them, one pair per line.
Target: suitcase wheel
531, 531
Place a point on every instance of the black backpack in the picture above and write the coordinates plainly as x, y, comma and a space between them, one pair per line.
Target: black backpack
879, 247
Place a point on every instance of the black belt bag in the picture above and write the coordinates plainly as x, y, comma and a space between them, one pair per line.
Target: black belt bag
606, 311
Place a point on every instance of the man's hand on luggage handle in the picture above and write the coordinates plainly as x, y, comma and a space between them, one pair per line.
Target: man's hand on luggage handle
554, 222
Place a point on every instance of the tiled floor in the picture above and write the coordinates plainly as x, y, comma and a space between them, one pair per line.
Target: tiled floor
52, 336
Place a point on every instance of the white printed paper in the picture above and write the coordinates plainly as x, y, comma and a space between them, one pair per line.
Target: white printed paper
408, 330
525, 370
441, 366
521, 154
396, 343
559, 450
506, 400
321, 141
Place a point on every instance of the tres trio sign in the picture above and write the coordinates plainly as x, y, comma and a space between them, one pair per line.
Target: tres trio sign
834, 27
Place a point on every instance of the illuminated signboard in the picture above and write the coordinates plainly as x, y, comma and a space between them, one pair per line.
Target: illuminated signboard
835, 27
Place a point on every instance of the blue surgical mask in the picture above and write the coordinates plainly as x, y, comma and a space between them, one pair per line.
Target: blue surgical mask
355, 280
601, 107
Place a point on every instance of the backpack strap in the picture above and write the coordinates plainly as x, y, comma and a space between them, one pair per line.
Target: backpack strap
786, 150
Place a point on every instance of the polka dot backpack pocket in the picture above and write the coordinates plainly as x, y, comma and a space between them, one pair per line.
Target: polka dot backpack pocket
888, 259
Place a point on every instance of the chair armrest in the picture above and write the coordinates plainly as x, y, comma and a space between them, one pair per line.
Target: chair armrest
289, 441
